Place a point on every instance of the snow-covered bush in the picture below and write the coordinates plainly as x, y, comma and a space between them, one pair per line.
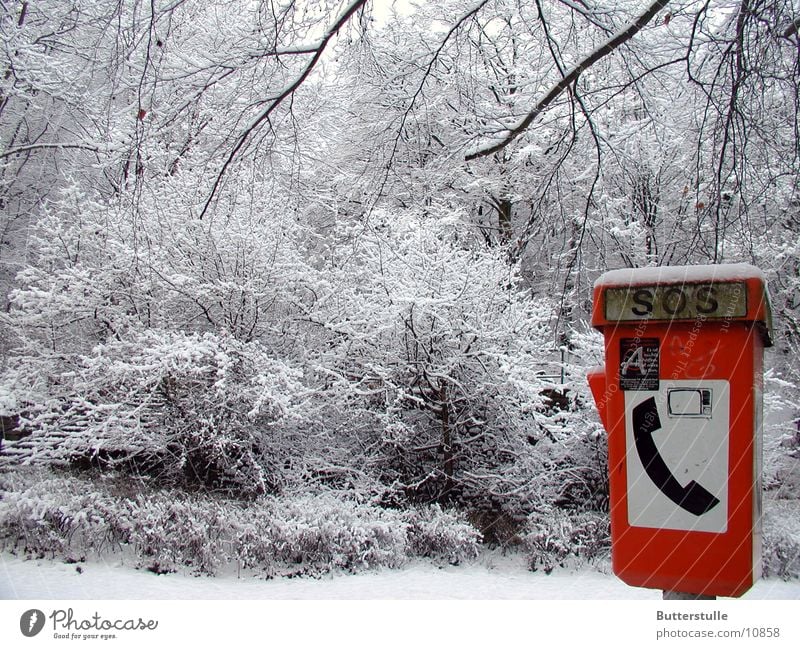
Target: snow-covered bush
316, 535
201, 410
781, 555
169, 533
441, 535
781, 539
585, 478
561, 538
169, 530
153, 358
430, 365
56, 517
404, 360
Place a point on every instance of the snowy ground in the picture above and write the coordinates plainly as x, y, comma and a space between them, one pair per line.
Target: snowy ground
492, 578
493, 603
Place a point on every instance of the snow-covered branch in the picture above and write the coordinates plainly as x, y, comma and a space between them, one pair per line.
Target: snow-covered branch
287, 92
609, 46
48, 145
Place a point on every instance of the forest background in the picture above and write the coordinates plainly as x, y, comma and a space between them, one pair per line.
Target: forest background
305, 285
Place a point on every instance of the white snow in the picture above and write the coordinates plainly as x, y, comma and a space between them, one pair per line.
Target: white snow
494, 603
493, 578
679, 274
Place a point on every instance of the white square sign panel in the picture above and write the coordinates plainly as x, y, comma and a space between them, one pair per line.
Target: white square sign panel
677, 455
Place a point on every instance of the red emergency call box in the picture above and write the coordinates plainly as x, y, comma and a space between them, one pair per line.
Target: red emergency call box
681, 398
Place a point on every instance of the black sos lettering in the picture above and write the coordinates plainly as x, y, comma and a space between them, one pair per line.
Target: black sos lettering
706, 302
644, 302
675, 301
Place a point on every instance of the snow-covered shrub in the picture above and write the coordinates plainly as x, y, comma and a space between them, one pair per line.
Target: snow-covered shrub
251, 354
38, 529
314, 535
170, 533
441, 535
317, 535
249, 544
169, 530
560, 538
781, 539
156, 357
497, 528
200, 410
437, 352
781, 555
57, 517
585, 462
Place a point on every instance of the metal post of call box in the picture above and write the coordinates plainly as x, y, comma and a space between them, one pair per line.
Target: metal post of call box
681, 398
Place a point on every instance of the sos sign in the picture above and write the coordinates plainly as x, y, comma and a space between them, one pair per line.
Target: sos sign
676, 301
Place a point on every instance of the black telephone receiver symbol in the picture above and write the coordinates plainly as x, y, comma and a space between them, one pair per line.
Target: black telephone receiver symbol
693, 497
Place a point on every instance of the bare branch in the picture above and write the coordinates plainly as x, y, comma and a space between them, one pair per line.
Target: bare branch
283, 95
571, 77
472, 12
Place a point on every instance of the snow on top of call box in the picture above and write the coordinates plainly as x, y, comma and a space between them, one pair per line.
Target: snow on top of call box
679, 274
